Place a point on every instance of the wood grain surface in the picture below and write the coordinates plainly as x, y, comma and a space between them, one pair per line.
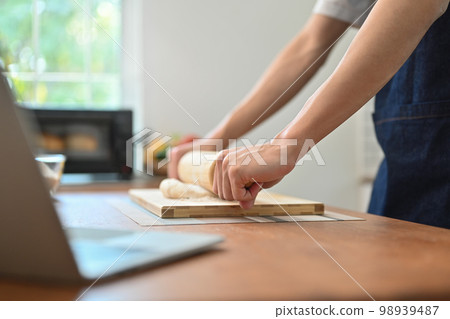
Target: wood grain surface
391, 259
266, 204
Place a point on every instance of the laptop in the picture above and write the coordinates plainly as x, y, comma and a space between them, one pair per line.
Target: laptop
33, 243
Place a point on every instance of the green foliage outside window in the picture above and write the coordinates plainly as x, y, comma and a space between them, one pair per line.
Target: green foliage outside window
56, 55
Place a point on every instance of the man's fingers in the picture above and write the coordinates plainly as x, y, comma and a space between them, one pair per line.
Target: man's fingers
247, 204
255, 189
252, 192
242, 193
271, 183
226, 186
217, 182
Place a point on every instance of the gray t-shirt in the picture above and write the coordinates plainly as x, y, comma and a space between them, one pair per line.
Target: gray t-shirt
351, 11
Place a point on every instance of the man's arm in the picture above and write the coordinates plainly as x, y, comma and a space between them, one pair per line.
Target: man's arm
295, 66
388, 37
302, 57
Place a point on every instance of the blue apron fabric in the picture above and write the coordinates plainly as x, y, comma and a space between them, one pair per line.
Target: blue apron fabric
412, 124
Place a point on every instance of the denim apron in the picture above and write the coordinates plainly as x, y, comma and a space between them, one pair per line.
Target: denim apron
412, 124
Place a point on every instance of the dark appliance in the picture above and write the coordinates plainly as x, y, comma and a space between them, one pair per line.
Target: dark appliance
94, 141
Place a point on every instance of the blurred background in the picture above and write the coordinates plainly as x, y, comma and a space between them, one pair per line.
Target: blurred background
98, 56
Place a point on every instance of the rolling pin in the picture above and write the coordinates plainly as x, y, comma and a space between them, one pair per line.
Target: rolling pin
198, 168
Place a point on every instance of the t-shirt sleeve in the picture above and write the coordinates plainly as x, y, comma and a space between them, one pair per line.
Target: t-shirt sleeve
351, 11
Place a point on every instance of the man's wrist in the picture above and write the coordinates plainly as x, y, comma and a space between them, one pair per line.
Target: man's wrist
289, 149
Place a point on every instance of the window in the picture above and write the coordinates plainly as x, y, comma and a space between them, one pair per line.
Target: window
56, 55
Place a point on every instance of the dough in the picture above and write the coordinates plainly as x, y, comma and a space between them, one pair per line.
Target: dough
173, 188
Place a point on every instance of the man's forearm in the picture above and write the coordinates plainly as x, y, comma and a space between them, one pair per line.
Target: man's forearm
387, 39
295, 66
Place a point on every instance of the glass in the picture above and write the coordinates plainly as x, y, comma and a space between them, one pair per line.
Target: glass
52, 168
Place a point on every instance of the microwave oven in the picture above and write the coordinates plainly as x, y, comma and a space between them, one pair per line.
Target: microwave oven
93, 141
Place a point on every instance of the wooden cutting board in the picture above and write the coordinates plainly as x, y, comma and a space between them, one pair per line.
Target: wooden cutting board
266, 204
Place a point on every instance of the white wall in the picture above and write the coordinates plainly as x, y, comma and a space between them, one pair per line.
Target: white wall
208, 54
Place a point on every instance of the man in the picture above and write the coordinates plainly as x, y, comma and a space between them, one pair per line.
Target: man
401, 54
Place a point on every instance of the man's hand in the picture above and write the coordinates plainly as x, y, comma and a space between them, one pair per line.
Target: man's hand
240, 173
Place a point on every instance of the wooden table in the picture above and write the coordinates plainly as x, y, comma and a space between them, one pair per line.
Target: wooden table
391, 259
